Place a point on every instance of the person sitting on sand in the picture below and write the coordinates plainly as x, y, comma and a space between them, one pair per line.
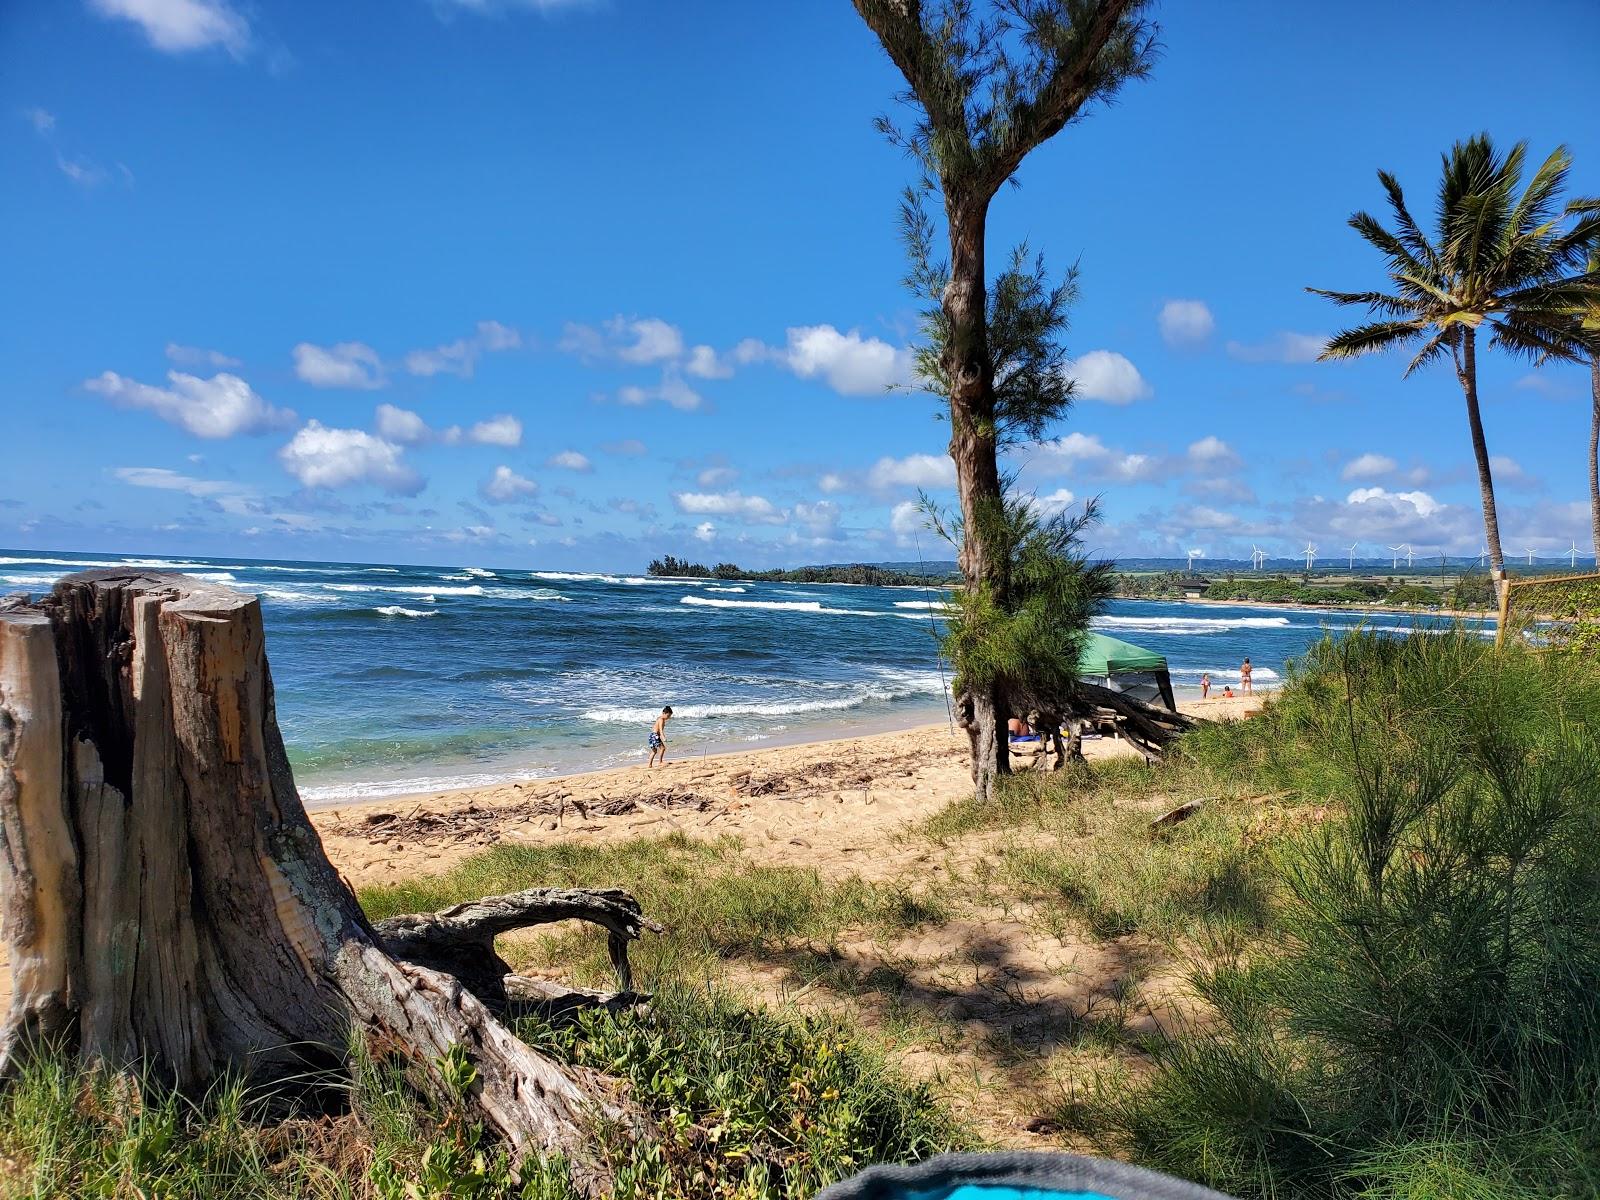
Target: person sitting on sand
1205, 684
658, 737
1019, 730
1227, 692
1244, 677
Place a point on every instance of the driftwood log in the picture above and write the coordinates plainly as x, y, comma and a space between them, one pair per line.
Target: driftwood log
167, 903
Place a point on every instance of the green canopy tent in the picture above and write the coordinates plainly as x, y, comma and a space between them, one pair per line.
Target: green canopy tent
1124, 667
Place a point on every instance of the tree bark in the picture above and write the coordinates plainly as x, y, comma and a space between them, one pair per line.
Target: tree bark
168, 904
1594, 453
1480, 454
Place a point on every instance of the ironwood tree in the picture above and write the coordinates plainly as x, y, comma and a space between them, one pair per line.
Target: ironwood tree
984, 90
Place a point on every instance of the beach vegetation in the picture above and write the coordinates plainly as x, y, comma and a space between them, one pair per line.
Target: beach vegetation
866, 574
1504, 261
1421, 1016
984, 89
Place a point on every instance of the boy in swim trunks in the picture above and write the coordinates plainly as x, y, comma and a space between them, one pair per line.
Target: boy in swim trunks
658, 737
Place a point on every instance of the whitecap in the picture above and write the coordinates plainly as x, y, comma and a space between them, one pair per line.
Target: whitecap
394, 610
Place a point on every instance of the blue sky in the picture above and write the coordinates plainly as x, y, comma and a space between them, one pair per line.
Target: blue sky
576, 284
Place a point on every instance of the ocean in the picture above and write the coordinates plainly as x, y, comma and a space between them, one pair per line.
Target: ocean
395, 679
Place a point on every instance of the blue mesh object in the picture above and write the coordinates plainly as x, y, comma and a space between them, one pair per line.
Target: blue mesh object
1016, 1176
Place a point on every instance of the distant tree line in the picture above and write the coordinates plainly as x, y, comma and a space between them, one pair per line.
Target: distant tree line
859, 573
1471, 591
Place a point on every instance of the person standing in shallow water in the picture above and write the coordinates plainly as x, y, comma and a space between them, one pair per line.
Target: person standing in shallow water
1205, 684
658, 737
1244, 678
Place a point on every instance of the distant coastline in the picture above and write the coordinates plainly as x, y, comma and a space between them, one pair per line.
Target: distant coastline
1390, 610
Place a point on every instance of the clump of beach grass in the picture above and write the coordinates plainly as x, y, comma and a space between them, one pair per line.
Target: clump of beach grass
1428, 1023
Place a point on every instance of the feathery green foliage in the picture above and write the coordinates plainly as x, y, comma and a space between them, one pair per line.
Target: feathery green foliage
1025, 641
1432, 1024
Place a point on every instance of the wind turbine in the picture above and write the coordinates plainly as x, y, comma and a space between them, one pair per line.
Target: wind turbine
1395, 565
1483, 555
1257, 557
1194, 554
1528, 550
1409, 553
1311, 555
1353, 546
1574, 555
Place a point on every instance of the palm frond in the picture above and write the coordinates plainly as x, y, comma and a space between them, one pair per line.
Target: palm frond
1444, 340
1370, 338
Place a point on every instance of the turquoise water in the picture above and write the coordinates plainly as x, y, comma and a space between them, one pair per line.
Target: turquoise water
394, 679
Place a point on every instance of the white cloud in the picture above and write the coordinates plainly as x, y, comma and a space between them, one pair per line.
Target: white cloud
1185, 322
460, 357
320, 457
704, 364
1369, 466
1211, 456
345, 365
1510, 472
194, 356
1283, 347
752, 510
646, 339
833, 482
503, 430
851, 364
906, 521
673, 390
506, 485
162, 479
402, 425
81, 171
176, 26
407, 428
914, 470
1107, 376
705, 531
220, 407
1085, 452
42, 120
1421, 503
715, 477
1056, 503
820, 520
569, 460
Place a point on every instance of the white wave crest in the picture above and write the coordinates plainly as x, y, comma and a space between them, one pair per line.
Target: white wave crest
925, 605
574, 576
477, 573
709, 588
394, 610
771, 605
1257, 673
404, 590
1189, 624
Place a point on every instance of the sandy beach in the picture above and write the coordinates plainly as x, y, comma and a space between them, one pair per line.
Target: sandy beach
834, 805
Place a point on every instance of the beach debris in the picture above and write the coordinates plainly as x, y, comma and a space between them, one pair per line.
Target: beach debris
1182, 813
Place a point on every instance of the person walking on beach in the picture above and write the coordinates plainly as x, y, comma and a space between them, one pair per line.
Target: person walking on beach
1244, 678
1205, 684
658, 737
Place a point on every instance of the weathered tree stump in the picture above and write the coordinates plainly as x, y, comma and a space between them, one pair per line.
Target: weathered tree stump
168, 904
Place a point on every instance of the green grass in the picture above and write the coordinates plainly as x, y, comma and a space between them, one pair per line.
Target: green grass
714, 903
745, 1102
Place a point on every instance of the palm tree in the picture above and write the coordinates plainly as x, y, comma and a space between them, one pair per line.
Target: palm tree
1499, 262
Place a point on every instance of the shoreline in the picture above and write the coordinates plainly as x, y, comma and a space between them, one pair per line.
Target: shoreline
801, 743
509, 774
